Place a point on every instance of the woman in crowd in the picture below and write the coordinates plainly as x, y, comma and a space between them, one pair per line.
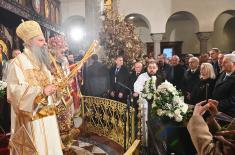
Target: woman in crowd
203, 90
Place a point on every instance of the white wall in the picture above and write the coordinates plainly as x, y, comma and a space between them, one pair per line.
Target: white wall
72, 7
154, 11
183, 30
219, 38
158, 11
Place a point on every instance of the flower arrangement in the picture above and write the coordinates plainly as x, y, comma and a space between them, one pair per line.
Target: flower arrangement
169, 102
149, 90
3, 86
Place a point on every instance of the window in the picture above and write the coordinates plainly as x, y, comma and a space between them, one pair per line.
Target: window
168, 52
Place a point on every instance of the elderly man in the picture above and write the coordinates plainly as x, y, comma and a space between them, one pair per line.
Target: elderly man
29, 91
191, 78
224, 90
138, 66
176, 72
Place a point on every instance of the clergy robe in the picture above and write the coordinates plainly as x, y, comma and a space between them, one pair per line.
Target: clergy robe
26, 81
138, 87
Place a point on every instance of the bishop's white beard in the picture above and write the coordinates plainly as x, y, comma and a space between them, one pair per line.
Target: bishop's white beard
41, 55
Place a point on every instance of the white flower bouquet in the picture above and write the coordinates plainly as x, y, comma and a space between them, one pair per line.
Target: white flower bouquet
3, 86
168, 101
149, 90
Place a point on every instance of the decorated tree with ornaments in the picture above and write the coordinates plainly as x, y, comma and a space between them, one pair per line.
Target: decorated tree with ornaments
117, 36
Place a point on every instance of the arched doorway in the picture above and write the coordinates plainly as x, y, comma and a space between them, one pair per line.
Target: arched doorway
224, 32
180, 33
143, 29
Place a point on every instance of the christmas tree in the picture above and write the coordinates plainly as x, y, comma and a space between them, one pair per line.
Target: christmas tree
118, 38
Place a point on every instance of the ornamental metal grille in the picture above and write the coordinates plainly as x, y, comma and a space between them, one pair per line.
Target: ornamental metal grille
107, 118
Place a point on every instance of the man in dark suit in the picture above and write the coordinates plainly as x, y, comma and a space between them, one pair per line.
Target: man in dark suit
163, 67
214, 53
191, 78
176, 72
138, 66
224, 90
97, 82
118, 74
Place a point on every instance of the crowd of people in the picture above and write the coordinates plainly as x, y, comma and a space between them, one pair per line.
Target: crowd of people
208, 76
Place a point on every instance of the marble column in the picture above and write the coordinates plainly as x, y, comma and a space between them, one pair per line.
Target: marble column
203, 37
93, 11
157, 38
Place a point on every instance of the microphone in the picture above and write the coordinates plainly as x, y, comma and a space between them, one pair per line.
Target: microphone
207, 85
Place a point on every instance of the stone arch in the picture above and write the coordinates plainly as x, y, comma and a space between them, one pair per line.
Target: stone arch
142, 24
143, 27
182, 26
224, 30
184, 15
140, 17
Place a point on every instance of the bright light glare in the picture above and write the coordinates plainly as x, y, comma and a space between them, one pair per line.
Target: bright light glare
77, 34
131, 17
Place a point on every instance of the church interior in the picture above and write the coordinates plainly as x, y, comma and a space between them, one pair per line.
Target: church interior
113, 77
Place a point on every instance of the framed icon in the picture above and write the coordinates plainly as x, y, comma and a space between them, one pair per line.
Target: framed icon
36, 5
57, 16
47, 10
3, 52
52, 13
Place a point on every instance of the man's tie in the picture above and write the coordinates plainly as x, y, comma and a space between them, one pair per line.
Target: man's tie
117, 70
225, 77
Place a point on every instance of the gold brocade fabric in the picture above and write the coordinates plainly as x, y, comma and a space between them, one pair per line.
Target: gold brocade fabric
64, 108
36, 77
46, 111
65, 119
